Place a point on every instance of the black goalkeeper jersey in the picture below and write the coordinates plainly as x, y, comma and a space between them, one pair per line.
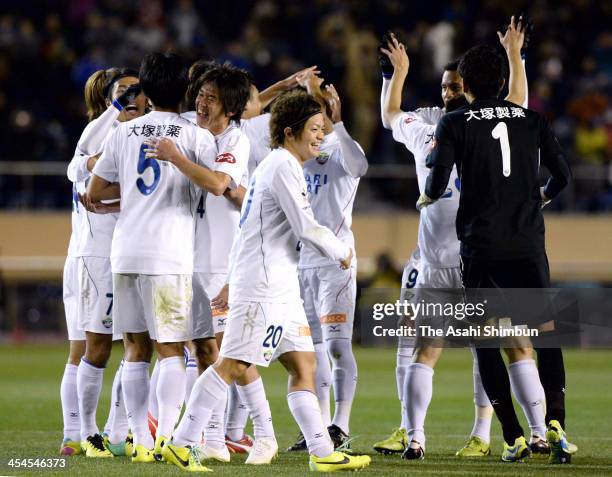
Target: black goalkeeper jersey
497, 147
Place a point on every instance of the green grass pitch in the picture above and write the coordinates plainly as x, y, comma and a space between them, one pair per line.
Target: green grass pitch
30, 418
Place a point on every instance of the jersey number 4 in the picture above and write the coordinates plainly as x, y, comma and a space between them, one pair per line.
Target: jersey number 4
500, 132
145, 163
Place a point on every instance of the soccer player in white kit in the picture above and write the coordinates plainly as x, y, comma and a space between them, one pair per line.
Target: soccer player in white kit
329, 292
71, 443
152, 247
94, 311
266, 317
223, 92
439, 247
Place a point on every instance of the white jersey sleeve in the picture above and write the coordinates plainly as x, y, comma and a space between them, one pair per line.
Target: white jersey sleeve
257, 130
289, 189
411, 130
233, 156
353, 158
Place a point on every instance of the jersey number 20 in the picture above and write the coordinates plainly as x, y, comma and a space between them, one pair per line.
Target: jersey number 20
143, 164
500, 131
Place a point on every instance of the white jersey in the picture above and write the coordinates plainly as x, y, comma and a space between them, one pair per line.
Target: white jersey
154, 233
76, 219
437, 233
257, 129
95, 230
331, 189
216, 219
276, 216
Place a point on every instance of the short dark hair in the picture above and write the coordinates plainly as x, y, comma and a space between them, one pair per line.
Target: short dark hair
163, 78
451, 65
196, 70
292, 109
234, 88
483, 71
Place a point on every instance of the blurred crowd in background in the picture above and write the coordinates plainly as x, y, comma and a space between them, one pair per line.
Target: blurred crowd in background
46, 55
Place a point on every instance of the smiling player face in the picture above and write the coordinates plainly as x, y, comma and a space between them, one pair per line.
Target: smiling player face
209, 110
136, 108
452, 91
308, 142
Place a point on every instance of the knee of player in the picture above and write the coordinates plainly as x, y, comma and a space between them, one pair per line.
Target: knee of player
428, 355
339, 348
230, 369
519, 353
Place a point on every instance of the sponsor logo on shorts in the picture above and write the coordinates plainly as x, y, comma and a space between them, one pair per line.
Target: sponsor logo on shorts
333, 318
221, 320
108, 323
334, 329
304, 331
268, 355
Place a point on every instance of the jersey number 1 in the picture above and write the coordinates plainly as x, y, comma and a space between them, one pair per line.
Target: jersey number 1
500, 131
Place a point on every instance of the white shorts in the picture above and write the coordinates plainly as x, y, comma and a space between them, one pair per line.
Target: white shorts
159, 304
258, 333
70, 294
95, 309
431, 277
329, 301
202, 313
212, 284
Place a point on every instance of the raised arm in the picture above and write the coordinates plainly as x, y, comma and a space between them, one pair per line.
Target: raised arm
354, 159
270, 93
554, 160
512, 41
396, 53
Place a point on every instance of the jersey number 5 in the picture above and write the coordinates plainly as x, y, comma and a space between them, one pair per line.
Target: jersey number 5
500, 131
143, 164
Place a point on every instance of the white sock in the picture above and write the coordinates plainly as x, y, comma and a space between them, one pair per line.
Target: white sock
344, 369
191, 374
170, 393
404, 358
418, 391
483, 411
304, 406
209, 393
135, 387
117, 426
89, 385
525, 382
323, 379
237, 415
214, 432
254, 395
153, 404
70, 403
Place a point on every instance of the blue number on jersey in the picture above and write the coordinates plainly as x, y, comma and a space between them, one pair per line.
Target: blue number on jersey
75, 199
449, 191
247, 207
143, 164
458, 184
412, 278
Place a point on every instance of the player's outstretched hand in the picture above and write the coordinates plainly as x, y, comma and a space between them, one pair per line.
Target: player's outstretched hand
294, 80
220, 302
512, 40
162, 148
332, 99
128, 96
346, 263
396, 52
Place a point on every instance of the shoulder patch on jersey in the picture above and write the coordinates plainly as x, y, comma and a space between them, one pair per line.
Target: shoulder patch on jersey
226, 157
